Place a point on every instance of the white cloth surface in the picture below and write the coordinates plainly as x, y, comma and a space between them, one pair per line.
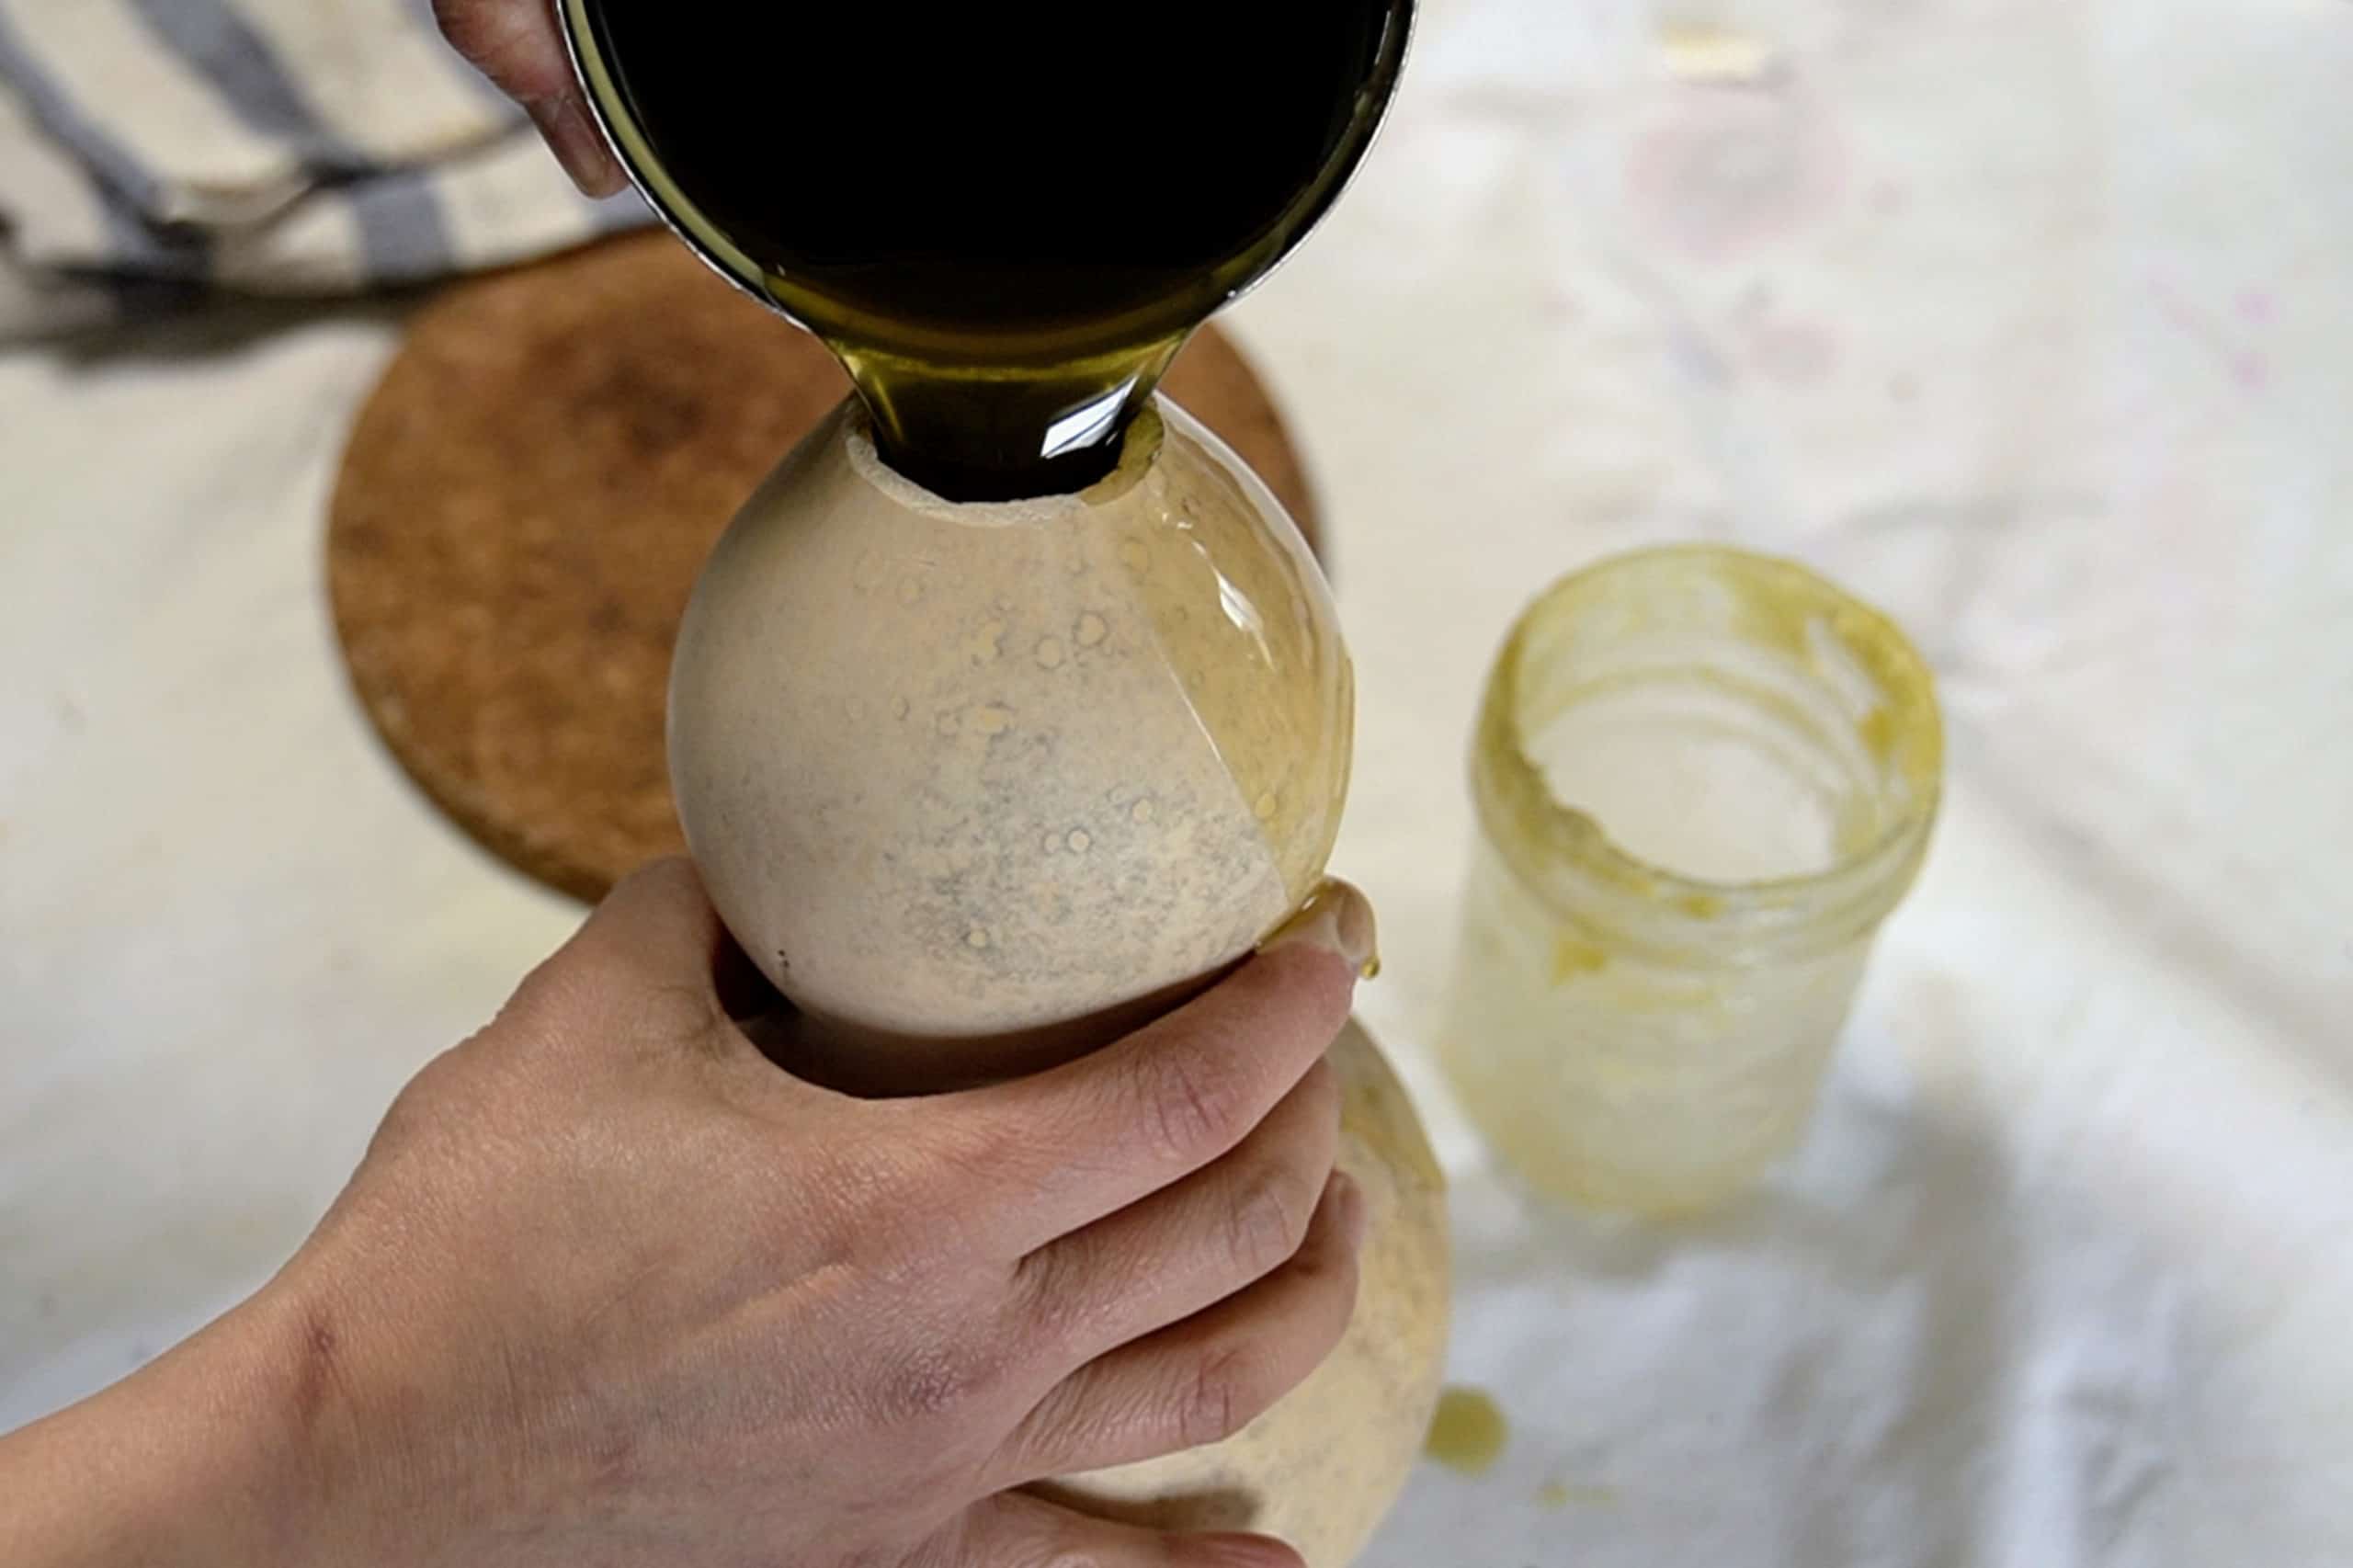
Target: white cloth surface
154, 152
2030, 319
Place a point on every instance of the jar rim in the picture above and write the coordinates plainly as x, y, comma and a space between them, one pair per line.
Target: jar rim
1641, 904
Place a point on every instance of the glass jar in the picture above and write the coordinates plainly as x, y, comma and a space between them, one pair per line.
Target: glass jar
1703, 779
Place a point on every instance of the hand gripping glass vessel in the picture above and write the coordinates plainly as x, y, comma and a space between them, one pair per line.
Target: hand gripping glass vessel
1012, 709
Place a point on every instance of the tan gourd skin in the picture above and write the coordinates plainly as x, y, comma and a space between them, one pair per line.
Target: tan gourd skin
981, 786
1322, 1467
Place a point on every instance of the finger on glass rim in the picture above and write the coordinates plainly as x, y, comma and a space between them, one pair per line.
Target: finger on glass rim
1192, 1244
572, 135
518, 44
1015, 1529
1202, 1379
1062, 1148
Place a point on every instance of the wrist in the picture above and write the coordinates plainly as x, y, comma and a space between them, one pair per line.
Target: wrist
216, 1452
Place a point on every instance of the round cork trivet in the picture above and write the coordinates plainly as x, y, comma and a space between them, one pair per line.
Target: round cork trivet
524, 505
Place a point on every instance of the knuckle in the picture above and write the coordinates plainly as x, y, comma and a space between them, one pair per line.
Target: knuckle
882, 1215
1052, 1297
920, 1193
1193, 1111
1267, 1220
1227, 1390
676, 1014
938, 1381
953, 1157
924, 1384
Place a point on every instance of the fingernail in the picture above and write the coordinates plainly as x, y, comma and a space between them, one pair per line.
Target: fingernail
563, 120
1336, 917
1348, 1207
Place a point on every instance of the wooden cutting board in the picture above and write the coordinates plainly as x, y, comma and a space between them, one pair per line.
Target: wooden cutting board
524, 503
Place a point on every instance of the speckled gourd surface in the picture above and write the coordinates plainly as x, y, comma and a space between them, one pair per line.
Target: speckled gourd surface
978, 785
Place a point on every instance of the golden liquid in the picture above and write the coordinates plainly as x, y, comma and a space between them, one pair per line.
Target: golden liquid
1003, 220
1467, 1431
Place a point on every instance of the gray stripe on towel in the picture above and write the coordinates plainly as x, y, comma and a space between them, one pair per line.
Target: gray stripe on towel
402, 236
59, 115
245, 73
179, 253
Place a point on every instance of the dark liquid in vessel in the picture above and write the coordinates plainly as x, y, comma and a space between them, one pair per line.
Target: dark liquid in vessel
1005, 217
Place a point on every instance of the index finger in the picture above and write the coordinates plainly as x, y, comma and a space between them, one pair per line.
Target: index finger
1065, 1147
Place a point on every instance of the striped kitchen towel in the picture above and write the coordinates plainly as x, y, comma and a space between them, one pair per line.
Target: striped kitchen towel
157, 153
